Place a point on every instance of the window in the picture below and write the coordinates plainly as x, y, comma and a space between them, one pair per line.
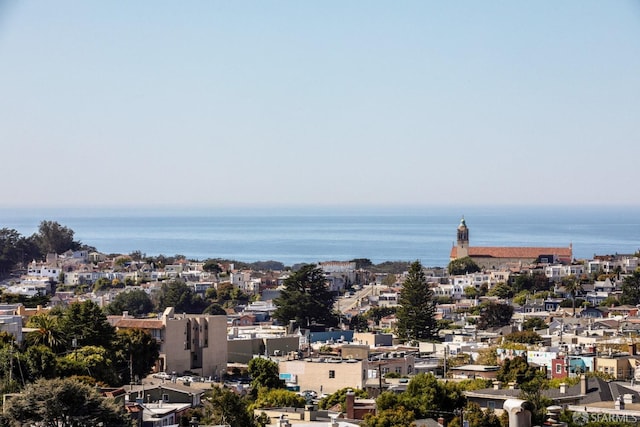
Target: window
332, 374
491, 404
165, 397
558, 368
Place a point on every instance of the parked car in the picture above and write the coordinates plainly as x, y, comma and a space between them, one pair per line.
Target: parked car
185, 379
162, 375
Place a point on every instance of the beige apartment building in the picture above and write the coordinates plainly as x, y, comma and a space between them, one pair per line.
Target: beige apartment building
188, 342
328, 375
621, 367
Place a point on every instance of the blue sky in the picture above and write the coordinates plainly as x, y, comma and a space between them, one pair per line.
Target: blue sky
319, 103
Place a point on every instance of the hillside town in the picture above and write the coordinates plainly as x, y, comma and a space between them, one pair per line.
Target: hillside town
507, 326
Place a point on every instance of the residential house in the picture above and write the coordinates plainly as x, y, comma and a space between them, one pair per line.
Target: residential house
586, 392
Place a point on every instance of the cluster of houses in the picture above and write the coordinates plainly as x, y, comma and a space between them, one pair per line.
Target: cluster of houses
594, 339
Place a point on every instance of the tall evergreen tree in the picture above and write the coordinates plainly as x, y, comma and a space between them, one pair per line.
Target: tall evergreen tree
631, 289
306, 299
416, 311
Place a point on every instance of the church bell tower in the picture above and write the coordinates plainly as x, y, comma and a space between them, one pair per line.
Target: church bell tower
463, 240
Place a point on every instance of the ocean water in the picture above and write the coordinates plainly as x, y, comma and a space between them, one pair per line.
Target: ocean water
293, 235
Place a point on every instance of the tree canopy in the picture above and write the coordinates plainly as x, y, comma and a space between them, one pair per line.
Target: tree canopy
55, 238
425, 397
463, 266
63, 403
416, 308
264, 373
306, 299
631, 289
136, 302
493, 314
181, 297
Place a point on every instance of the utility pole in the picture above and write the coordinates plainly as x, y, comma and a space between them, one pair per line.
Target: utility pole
10, 363
131, 370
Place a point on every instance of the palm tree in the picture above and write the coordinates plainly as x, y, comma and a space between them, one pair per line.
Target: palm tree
572, 285
46, 331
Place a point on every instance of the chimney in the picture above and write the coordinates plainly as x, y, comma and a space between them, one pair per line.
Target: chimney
619, 403
496, 385
563, 388
350, 402
583, 385
441, 421
310, 413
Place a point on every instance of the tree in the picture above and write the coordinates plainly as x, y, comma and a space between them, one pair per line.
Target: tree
501, 290
55, 238
278, 398
631, 289
40, 361
63, 403
340, 397
471, 292
212, 266
532, 391
358, 323
181, 297
425, 396
463, 266
475, 416
392, 417
10, 253
362, 263
494, 315
416, 308
95, 361
86, 322
136, 302
377, 313
573, 286
136, 353
46, 331
524, 337
535, 282
264, 373
214, 310
223, 406
533, 323
515, 370
306, 299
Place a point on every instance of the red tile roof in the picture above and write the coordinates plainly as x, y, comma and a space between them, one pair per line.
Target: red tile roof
513, 252
139, 323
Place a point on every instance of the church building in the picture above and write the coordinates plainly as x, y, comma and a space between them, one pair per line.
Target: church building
496, 257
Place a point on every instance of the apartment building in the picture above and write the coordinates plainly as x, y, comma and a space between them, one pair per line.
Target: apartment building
188, 342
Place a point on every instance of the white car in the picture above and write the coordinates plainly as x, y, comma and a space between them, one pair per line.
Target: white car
162, 375
185, 379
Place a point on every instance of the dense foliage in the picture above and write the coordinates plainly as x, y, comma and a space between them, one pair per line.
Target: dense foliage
63, 403
425, 397
264, 373
463, 266
631, 289
51, 237
416, 308
306, 299
493, 314
77, 340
